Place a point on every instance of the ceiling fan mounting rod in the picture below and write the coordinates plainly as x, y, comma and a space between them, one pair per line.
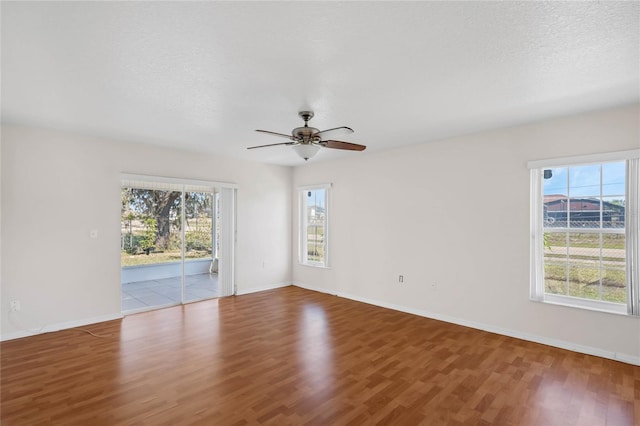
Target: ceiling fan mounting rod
306, 116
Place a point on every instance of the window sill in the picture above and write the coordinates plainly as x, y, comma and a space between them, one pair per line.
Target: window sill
315, 265
585, 304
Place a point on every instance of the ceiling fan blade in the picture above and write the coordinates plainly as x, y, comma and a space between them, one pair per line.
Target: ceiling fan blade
343, 145
272, 144
336, 131
282, 135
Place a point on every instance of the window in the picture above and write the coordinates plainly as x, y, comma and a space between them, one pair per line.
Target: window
314, 231
585, 231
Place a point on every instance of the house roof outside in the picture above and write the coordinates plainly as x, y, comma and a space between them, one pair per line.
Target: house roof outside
588, 202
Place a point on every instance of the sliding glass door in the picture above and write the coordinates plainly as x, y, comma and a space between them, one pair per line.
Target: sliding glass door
200, 243
170, 242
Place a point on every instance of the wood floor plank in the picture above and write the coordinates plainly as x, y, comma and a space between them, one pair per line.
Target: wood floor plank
293, 356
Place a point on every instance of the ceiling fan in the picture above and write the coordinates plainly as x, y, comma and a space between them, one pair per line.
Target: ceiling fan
307, 141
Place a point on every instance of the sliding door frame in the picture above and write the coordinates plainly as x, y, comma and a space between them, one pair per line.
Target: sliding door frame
227, 204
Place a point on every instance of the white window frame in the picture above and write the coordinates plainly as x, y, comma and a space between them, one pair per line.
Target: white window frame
632, 227
302, 228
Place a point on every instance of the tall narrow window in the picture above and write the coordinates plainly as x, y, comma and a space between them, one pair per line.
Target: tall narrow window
314, 229
585, 233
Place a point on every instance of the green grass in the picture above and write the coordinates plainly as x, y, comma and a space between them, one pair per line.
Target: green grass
581, 257
315, 243
609, 294
584, 282
127, 259
609, 241
315, 252
583, 278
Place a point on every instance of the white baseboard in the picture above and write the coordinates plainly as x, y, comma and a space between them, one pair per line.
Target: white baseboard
562, 344
313, 288
262, 288
60, 326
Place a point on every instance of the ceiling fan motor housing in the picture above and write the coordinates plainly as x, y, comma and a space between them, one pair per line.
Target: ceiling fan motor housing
305, 134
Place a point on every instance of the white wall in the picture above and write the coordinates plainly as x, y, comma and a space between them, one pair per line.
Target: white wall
455, 213
56, 187
404, 211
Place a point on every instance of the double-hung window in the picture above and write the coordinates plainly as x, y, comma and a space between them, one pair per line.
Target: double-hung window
314, 225
584, 231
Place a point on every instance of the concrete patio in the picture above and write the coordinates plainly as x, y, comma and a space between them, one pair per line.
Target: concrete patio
144, 295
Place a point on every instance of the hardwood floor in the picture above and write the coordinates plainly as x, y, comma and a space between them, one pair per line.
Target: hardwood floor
292, 356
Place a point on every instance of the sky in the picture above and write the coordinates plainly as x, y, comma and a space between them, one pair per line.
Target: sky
584, 181
316, 198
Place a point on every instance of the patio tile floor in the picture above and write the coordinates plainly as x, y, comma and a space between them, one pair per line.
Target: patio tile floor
141, 295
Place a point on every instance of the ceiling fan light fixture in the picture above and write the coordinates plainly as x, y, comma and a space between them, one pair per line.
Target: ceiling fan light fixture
306, 150
307, 141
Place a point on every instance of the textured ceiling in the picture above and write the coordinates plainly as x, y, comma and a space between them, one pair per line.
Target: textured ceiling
203, 75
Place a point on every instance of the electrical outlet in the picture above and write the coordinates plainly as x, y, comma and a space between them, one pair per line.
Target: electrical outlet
15, 305
400, 278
